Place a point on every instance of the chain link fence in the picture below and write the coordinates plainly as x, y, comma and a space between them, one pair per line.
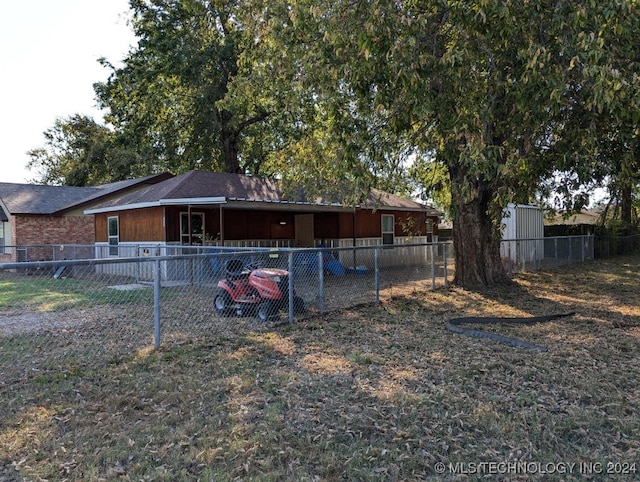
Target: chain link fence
87, 312
522, 255
74, 313
607, 246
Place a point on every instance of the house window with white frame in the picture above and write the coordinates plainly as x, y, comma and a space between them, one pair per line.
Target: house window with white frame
388, 231
113, 234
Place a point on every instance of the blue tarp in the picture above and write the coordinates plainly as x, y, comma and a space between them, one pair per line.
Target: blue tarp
335, 267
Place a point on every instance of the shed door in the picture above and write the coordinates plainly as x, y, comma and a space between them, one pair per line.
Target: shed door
304, 230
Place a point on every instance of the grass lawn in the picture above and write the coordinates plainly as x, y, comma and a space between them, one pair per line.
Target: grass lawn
375, 392
44, 293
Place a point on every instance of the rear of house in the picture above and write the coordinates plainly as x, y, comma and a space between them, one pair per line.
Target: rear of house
34, 218
202, 208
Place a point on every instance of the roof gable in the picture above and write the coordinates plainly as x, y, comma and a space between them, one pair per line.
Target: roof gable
42, 199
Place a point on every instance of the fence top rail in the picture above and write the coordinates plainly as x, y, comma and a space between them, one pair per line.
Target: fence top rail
547, 238
210, 253
223, 248
605, 236
119, 260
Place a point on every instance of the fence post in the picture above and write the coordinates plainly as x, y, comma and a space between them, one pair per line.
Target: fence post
444, 259
156, 302
376, 256
321, 282
433, 267
570, 250
290, 259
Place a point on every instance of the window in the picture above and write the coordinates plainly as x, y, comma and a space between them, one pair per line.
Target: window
2, 241
197, 229
387, 228
113, 234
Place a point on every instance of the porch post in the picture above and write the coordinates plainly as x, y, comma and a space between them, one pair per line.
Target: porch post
189, 222
221, 226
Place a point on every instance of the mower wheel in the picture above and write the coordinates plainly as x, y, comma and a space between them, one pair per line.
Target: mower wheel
222, 302
265, 311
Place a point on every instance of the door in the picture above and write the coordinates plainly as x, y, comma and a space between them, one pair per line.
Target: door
304, 230
192, 233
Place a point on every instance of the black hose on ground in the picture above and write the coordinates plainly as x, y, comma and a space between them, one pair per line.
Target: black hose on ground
454, 326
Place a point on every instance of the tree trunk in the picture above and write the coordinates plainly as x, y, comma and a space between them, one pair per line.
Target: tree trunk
476, 239
626, 207
230, 134
229, 143
230, 151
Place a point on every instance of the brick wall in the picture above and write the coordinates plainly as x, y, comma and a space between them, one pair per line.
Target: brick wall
38, 230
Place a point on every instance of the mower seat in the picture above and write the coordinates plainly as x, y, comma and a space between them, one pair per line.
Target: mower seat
234, 269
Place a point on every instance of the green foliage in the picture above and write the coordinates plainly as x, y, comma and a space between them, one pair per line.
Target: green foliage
49, 294
170, 97
503, 95
79, 152
472, 104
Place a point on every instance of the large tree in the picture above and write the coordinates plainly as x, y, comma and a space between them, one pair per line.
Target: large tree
487, 89
78, 151
170, 99
506, 99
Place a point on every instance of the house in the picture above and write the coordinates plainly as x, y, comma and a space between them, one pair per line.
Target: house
576, 224
36, 215
221, 209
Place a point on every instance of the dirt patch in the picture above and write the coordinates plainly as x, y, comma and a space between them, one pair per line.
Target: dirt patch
18, 322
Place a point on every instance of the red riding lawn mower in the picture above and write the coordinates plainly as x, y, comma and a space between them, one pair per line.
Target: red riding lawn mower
251, 289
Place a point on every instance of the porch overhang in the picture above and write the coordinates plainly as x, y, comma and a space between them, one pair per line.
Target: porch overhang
199, 201
282, 205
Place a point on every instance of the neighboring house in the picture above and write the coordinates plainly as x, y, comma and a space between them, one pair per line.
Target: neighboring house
212, 208
582, 223
34, 215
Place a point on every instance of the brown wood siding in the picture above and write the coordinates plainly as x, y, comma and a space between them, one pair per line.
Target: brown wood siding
410, 224
140, 225
101, 228
345, 225
136, 226
326, 225
146, 225
172, 223
245, 224
369, 224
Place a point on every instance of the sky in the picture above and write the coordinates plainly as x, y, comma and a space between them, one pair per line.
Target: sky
49, 51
